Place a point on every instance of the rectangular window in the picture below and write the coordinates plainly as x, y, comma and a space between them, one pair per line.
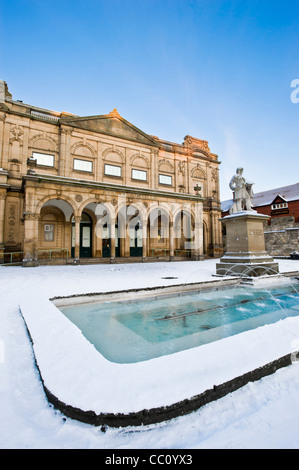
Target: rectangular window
82, 165
85, 239
279, 206
43, 159
139, 175
165, 179
49, 232
112, 170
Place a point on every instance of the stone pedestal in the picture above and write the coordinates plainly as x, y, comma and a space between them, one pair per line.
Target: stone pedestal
246, 253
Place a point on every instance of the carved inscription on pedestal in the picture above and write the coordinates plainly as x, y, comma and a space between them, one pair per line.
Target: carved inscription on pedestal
11, 223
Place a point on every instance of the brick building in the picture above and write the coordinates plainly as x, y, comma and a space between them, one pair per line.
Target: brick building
282, 230
99, 188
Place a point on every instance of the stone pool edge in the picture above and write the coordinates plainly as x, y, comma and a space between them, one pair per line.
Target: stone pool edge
166, 413
162, 413
143, 292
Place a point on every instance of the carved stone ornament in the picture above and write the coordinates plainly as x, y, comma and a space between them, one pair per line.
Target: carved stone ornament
31, 216
181, 168
214, 174
17, 132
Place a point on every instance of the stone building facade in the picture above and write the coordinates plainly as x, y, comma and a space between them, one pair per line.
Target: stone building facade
76, 188
282, 236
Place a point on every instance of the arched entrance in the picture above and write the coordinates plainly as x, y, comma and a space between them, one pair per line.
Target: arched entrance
136, 241
106, 240
158, 231
53, 236
85, 236
129, 232
184, 233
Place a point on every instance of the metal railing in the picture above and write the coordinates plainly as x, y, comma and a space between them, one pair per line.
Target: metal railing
50, 252
166, 252
11, 257
16, 257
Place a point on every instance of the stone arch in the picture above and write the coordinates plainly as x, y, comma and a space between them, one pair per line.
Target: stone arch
51, 233
90, 212
47, 142
93, 200
165, 165
184, 224
139, 161
53, 197
87, 148
131, 226
133, 205
198, 173
183, 208
159, 220
116, 155
128, 212
51, 211
167, 209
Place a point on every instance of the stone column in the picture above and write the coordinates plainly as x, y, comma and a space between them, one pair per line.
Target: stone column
30, 240
198, 232
144, 238
2, 214
154, 158
112, 240
77, 239
171, 241
64, 150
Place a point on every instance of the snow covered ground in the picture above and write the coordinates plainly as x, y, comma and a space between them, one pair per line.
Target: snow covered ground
263, 414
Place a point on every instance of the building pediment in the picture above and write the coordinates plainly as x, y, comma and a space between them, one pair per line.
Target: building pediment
278, 199
110, 124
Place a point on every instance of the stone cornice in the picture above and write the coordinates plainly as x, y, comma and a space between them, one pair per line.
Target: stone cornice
109, 187
72, 121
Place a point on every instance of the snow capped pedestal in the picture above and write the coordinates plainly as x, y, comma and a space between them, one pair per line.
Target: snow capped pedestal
246, 253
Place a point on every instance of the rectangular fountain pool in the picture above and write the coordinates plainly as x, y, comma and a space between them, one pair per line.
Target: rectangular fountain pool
133, 331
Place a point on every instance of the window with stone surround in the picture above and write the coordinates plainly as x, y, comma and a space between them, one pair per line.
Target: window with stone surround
112, 170
82, 165
165, 179
43, 159
139, 175
49, 232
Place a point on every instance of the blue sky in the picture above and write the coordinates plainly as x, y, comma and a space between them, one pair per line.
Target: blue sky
216, 70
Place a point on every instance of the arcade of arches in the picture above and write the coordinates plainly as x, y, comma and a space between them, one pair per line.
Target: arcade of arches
117, 228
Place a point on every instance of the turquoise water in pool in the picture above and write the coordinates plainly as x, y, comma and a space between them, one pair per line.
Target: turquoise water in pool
126, 332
